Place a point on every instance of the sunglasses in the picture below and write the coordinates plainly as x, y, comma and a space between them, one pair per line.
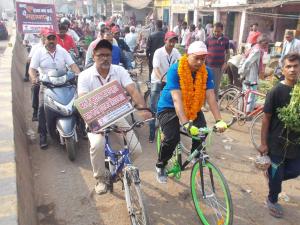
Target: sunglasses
52, 37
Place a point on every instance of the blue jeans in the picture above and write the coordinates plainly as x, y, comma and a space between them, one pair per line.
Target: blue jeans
154, 96
288, 169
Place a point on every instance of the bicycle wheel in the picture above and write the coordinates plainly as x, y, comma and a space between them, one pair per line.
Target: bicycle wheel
215, 208
133, 196
255, 130
230, 100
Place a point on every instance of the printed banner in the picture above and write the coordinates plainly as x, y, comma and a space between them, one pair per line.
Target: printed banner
32, 17
103, 106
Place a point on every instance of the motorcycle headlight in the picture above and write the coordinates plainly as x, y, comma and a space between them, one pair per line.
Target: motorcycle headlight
58, 80
65, 110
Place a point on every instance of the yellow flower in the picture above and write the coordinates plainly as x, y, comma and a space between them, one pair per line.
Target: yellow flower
193, 91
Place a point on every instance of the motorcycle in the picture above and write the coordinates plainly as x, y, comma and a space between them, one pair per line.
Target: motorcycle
60, 113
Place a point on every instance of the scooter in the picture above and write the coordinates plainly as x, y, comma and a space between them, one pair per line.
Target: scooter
60, 113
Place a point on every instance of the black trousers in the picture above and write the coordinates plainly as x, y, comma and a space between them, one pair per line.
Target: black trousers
150, 65
27, 70
287, 169
35, 89
170, 127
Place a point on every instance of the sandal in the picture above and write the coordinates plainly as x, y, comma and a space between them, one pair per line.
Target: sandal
275, 209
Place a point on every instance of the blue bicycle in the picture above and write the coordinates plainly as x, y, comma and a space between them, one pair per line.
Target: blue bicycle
122, 169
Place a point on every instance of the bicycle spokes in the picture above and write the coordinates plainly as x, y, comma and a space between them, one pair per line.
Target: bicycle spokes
210, 196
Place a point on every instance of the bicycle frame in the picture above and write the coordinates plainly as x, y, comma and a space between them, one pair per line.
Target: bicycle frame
245, 95
113, 155
177, 168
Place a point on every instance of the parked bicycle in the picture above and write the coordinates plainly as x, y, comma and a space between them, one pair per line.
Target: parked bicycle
233, 108
121, 169
209, 189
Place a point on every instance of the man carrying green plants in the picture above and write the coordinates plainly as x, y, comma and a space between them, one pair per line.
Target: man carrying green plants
280, 132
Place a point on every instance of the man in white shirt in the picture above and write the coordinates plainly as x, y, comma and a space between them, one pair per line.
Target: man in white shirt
290, 45
184, 34
97, 75
31, 39
163, 58
35, 88
131, 39
46, 58
200, 33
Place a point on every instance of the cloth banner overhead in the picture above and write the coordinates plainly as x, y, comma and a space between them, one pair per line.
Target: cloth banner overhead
32, 17
137, 4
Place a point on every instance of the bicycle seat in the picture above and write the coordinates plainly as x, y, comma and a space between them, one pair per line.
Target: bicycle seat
250, 84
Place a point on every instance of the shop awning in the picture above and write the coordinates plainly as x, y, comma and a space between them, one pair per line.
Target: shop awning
137, 4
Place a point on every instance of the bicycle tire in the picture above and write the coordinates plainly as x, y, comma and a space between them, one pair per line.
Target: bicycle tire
255, 130
231, 96
221, 187
134, 199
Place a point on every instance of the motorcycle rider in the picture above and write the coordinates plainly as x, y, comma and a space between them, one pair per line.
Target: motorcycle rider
51, 56
90, 79
65, 40
35, 88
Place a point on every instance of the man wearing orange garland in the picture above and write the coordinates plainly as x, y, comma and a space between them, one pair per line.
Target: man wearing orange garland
189, 84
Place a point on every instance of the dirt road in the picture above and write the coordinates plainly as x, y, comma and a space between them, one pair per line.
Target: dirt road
64, 189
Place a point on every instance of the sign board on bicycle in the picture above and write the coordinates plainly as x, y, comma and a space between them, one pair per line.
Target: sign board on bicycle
32, 17
104, 106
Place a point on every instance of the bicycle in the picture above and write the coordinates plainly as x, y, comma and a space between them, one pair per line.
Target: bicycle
207, 181
233, 106
121, 169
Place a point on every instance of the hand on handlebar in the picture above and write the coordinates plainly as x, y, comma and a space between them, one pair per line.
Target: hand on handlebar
191, 129
145, 114
221, 126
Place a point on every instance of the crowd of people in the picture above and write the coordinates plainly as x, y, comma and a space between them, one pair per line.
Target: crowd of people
186, 66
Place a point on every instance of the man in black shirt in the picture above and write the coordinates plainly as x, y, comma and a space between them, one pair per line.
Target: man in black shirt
284, 154
155, 41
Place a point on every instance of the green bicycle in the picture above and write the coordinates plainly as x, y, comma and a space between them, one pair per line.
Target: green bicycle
209, 189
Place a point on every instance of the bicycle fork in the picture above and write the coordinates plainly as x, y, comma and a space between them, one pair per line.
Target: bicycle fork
201, 162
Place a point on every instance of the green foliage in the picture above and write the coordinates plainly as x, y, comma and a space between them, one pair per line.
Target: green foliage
290, 114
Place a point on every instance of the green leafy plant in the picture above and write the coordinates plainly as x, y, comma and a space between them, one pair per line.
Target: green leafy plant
290, 114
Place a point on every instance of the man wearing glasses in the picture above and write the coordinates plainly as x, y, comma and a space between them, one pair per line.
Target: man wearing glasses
189, 84
102, 72
50, 56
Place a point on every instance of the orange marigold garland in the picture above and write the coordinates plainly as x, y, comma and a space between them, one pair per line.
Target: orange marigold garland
193, 92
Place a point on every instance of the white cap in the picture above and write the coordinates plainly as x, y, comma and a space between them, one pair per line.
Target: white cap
197, 48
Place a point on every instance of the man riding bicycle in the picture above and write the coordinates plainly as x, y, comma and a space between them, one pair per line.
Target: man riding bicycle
189, 84
94, 77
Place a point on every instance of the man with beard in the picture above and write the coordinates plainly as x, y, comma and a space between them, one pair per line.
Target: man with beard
49, 57
94, 77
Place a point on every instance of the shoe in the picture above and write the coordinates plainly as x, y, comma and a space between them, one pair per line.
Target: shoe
275, 209
25, 79
151, 140
43, 142
100, 188
161, 175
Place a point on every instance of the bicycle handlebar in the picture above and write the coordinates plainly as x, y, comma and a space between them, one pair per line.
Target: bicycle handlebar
125, 130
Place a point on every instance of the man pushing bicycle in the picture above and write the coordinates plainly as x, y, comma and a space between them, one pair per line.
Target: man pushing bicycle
189, 84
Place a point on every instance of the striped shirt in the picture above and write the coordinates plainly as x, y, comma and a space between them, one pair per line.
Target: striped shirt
216, 46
